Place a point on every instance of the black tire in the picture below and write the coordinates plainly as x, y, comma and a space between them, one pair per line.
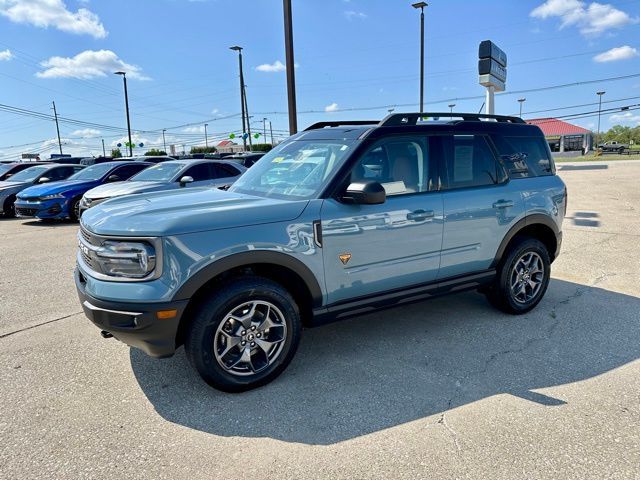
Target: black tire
201, 336
501, 295
9, 208
75, 207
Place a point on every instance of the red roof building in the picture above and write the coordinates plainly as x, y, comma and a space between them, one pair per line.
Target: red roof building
563, 136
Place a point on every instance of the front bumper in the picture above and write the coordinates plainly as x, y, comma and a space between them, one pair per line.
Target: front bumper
55, 208
135, 324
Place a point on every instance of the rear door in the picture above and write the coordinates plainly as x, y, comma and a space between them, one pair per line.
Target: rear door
370, 249
480, 204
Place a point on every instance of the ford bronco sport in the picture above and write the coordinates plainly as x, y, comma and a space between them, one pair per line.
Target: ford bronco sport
341, 219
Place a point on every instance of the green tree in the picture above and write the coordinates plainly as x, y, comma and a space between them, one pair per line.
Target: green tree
262, 147
155, 152
204, 149
116, 153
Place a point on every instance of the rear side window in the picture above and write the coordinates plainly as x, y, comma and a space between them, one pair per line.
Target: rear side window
127, 171
469, 162
224, 171
525, 157
61, 173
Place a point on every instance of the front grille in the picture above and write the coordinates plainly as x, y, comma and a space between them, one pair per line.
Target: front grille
89, 237
26, 212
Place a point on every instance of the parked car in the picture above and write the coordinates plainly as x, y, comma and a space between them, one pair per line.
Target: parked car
93, 160
45, 173
613, 146
68, 160
247, 159
167, 176
62, 199
7, 170
377, 215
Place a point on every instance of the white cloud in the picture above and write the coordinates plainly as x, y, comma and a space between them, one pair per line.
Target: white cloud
5, 55
53, 13
622, 118
88, 64
86, 133
194, 129
619, 53
331, 108
276, 66
591, 19
351, 14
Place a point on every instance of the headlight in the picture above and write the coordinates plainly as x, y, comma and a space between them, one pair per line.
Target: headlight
126, 259
51, 197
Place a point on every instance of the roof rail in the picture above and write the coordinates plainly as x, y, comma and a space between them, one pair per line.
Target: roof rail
398, 119
341, 123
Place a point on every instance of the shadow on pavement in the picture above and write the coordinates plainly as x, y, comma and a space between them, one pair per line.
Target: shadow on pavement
385, 369
583, 167
48, 223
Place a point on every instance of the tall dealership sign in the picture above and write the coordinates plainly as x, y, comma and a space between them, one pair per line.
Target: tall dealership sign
492, 69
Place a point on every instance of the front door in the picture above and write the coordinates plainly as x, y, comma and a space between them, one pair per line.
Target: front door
370, 249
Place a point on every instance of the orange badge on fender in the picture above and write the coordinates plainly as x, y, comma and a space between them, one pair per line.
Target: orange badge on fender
344, 258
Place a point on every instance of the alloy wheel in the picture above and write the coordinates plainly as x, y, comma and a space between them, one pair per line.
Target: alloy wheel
527, 277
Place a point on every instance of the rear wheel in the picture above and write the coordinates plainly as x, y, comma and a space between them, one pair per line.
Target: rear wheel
522, 277
74, 209
9, 208
244, 335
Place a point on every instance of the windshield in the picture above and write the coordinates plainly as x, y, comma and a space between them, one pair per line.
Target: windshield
29, 174
4, 168
162, 172
94, 172
299, 169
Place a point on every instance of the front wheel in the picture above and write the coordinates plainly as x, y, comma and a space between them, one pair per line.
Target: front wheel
74, 209
522, 277
244, 335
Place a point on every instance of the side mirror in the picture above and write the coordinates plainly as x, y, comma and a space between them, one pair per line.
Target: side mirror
186, 179
44, 180
113, 178
365, 193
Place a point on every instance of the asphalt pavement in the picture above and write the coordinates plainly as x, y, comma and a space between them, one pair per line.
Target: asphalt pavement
447, 388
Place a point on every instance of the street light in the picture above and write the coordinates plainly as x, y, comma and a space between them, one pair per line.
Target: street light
451, 105
126, 104
206, 139
521, 102
164, 141
600, 94
291, 77
244, 125
421, 6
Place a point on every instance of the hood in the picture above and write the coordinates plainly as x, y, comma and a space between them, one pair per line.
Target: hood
57, 187
188, 210
13, 187
117, 189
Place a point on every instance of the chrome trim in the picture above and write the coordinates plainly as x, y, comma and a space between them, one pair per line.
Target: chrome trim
156, 242
93, 308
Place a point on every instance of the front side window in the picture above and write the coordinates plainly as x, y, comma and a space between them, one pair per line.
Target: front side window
30, 174
525, 156
469, 162
295, 170
400, 165
198, 172
95, 172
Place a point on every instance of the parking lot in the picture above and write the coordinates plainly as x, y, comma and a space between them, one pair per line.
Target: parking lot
448, 388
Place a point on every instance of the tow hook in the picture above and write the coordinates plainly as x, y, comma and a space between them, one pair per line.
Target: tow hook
105, 334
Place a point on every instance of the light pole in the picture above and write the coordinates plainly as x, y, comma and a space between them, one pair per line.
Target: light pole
126, 104
242, 102
164, 141
291, 78
264, 129
421, 6
451, 105
600, 94
206, 138
271, 131
104, 152
55, 114
521, 102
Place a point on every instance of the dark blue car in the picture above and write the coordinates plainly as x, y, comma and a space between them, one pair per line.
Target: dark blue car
62, 199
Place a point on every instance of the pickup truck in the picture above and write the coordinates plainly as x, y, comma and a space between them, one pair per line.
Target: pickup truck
613, 146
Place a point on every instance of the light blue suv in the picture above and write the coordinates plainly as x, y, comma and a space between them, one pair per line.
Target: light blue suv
341, 219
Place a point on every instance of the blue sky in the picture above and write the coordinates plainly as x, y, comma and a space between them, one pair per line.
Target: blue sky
355, 54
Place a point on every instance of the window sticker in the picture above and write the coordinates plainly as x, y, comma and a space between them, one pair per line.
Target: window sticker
463, 163
394, 188
277, 160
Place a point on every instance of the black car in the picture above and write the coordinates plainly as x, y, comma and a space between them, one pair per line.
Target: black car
9, 169
68, 160
247, 159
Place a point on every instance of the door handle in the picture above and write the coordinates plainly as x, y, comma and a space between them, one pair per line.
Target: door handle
503, 204
420, 215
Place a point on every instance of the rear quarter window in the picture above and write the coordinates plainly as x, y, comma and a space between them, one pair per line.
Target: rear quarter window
525, 157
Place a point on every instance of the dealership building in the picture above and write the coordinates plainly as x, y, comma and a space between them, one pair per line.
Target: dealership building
563, 136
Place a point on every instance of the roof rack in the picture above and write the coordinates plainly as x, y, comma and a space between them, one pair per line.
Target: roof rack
398, 119
341, 123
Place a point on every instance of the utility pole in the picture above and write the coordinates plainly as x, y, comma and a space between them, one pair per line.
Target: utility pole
55, 114
246, 109
242, 102
600, 94
164, 141
421, 6
206, 139
264, 129
271, 130
126, 104
104, 152
291, 77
